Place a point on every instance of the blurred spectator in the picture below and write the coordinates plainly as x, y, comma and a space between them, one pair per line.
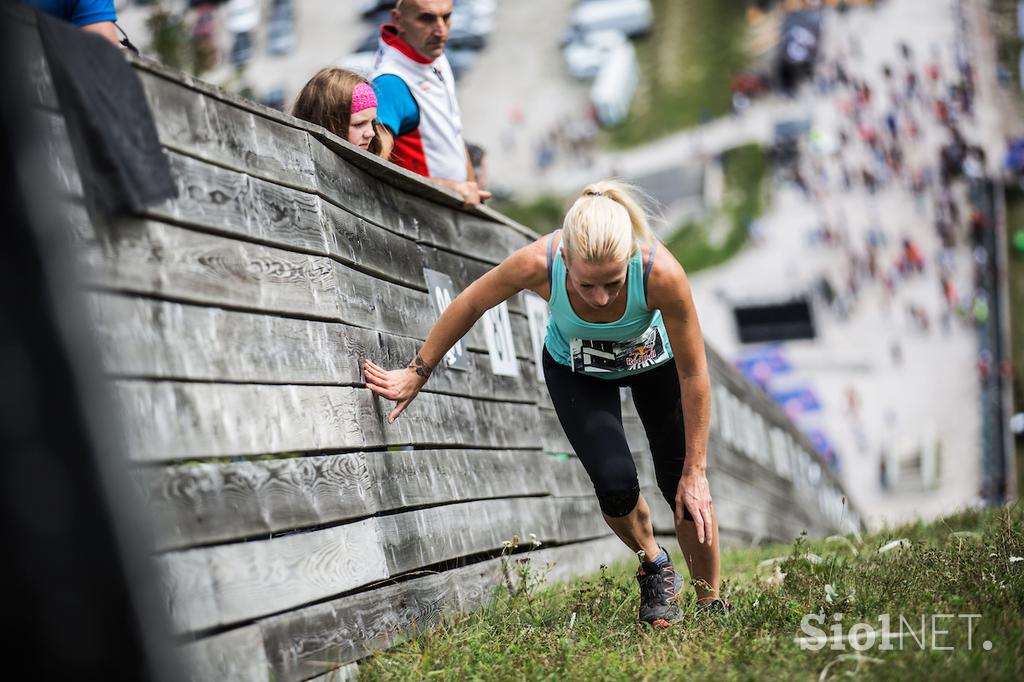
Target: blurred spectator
344, 103
417, 99
95, 16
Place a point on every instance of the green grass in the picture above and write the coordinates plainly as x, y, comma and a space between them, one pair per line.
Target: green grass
745, 168
686, 67
587, 631
1015, 222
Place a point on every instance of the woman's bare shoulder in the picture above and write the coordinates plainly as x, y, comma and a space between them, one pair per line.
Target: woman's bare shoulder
529, 264
667, 278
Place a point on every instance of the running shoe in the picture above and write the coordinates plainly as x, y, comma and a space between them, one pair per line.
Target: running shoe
659, 594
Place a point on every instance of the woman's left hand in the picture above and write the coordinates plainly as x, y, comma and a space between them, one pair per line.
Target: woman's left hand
695, 494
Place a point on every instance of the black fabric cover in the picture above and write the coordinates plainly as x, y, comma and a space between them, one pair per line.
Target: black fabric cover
121, 163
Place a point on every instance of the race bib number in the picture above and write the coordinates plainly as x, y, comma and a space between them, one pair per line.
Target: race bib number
596, 357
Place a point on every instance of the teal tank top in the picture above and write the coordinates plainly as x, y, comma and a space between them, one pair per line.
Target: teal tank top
636, 342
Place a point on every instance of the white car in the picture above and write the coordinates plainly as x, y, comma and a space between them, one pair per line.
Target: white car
585, 55
615, 84
632, 17
241, 16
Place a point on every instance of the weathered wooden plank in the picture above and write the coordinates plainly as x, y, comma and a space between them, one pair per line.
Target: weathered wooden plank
232, 656
216, 199
230, 202
740, 504
426, 537
568, 562
170, 420
210, 129
52, 134
724, 373
226, 584
141, 337
351, 189
321, 637
578, 518
422, 477
251, 143
204, 503
568, 477
156, 259
737, 479
30, 51
303, 643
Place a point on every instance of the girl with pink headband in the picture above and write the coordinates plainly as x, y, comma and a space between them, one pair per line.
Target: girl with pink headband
344, 103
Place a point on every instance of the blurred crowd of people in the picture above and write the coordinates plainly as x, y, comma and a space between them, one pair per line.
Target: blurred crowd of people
886, 142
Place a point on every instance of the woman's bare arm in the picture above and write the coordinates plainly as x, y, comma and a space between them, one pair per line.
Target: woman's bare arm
669, 291
524, 269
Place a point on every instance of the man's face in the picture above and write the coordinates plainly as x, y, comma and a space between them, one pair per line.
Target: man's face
424, 25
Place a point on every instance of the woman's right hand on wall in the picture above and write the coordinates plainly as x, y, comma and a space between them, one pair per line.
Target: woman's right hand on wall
400, 385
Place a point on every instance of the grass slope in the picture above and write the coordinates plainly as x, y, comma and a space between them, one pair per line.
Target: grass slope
586, 630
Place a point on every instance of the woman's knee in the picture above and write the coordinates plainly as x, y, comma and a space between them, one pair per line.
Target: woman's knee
620, 501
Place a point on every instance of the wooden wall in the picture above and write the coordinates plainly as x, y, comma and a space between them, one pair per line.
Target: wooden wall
296, 531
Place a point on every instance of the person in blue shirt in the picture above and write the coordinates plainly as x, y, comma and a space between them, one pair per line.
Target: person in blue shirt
95, 16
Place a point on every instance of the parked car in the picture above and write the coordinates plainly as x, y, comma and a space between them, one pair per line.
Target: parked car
615, 85
285, 7
241, 16
281, 30
473, 18
584, 56
242, 48
632, 17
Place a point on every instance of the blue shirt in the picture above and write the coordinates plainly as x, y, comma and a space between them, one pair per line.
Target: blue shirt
78, 12
396, 107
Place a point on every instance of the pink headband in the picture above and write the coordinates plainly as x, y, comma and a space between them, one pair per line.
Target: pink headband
363, 97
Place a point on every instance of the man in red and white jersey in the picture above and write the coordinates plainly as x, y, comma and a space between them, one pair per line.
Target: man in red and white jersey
416, 96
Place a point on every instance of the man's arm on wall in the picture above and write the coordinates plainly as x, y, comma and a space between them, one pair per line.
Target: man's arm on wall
105, 29
97, 16
470, 171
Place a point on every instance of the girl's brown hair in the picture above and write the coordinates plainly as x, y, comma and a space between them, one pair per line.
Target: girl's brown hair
326, 100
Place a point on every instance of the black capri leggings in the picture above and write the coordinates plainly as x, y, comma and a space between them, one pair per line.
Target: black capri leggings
591, 416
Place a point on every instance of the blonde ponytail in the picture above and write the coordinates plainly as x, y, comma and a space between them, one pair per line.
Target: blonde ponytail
605, 223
